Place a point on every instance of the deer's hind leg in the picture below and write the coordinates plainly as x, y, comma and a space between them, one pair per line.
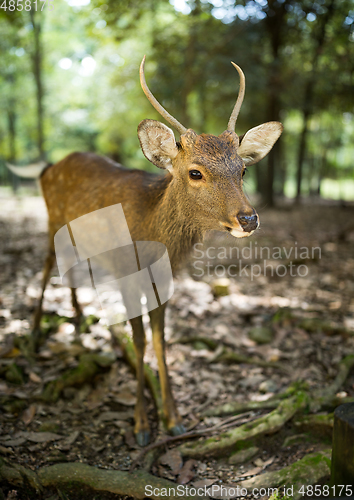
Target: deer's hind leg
76, 305
78, 311
173, 419
39, 310
142, 429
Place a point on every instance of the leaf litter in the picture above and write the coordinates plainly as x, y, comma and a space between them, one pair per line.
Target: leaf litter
309, 321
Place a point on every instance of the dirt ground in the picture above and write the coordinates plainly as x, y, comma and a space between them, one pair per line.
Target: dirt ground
293, 304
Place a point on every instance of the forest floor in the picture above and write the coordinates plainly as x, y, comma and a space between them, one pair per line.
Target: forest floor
295, 312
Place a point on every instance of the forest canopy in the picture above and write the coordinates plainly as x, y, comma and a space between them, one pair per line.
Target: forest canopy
69, 80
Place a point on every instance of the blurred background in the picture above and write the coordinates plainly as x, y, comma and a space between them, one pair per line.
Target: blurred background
69, 81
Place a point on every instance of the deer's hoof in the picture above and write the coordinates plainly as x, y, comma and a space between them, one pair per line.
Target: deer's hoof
177, 430
142, 438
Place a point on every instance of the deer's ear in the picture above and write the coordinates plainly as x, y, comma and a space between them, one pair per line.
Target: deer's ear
157, 143
258, 141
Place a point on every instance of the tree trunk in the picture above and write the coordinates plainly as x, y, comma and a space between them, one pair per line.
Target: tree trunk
280, 184
321, 172
11, 124
273, 114
309, 92
189, 65
342, 467
301, 153
275, 22
37, 72
259, 180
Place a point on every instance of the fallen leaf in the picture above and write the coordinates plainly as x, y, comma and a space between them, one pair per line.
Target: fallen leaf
6, 451
28, 414
73, 437
252, 472
187, 473
260, 463
20, 395
57, 347
35, 378
130, 439
14, 442
106, 416
40, 437
11, 353
66, 444
204, 483
173, 459
3, 388
125, 398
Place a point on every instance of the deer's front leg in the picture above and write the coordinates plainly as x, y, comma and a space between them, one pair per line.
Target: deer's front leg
173, 420
141, 430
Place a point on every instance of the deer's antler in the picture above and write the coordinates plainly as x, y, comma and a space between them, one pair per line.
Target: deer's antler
241, 94
169, 118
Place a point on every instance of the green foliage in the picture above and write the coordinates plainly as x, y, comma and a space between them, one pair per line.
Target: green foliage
93, 101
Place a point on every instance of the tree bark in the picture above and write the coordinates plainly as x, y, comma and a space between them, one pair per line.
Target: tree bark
11, 128
11, 121
302, 151
189, 65
307, 108
37, 72
342, 470
275, 22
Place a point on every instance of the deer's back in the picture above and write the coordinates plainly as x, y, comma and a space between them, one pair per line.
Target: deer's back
84, 182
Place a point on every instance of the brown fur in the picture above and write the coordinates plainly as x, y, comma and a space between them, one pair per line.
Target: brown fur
157, 208
173, 209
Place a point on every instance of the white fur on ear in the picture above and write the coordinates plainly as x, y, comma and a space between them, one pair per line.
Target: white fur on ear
258, 141
157, 143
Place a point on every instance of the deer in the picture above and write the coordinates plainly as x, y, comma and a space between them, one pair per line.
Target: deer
200, 190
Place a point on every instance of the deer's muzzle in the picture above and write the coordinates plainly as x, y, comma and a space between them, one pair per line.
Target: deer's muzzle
248, 222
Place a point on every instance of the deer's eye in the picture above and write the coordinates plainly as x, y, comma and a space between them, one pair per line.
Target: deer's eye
195, 175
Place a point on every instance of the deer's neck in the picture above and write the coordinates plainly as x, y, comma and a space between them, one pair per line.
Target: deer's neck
172, 220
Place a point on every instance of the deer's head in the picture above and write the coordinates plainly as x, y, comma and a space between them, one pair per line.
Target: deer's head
209, 169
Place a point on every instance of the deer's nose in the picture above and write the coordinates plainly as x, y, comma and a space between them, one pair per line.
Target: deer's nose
248, 222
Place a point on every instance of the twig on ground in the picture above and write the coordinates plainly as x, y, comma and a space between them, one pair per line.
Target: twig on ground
187, 435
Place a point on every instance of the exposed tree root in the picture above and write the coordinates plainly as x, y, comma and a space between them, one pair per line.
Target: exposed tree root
266, 424
89, 365
307, 471
318, 425
187, 435
273, 402
210, 343
236, 408
229, 356
324, 397
19, 476
76, 478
